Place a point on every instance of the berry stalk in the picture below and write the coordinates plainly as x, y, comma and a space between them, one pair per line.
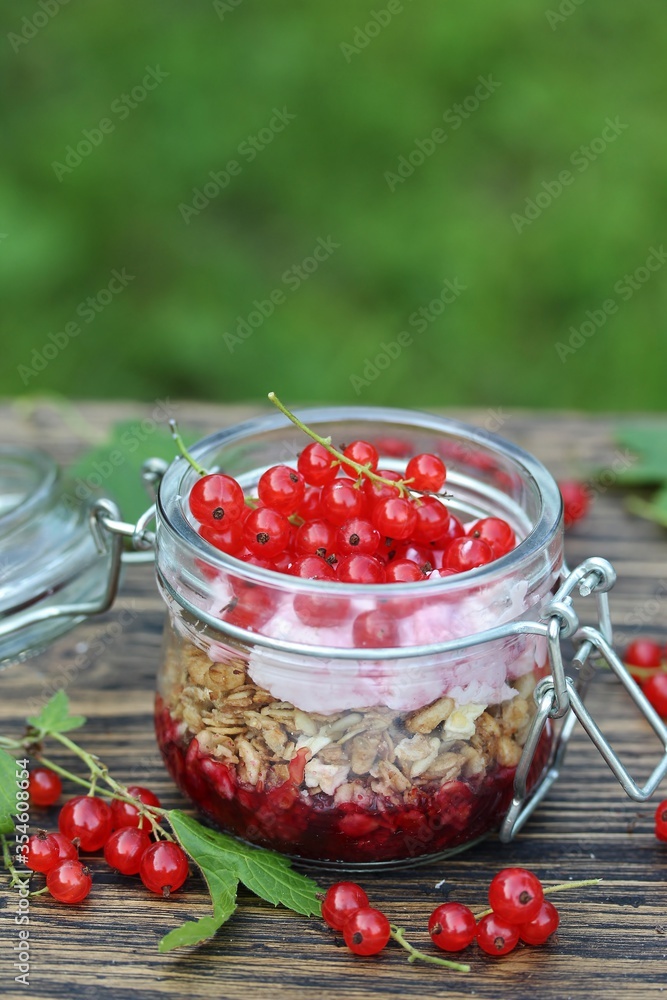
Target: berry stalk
180, 444
414, 955
560, 887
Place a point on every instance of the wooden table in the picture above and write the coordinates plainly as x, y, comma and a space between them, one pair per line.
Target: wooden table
613, 938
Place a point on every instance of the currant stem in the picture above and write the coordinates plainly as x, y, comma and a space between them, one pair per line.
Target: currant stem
175, 433
419, 956
561, 887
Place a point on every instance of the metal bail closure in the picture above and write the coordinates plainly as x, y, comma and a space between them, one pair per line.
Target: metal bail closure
561, 697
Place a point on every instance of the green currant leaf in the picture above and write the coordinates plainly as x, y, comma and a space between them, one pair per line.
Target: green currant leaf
268, 875
654, 509
222, 885
649, 443
8, 769
55, 717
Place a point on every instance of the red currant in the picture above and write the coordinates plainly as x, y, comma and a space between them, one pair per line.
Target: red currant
643, 653
363, 453
515, 895
43, 852
466, 553
403, 571
216, 498
281, 488
66, 849
341, 500
454, 530
227, 538
164, 867
432, 520
452, 926
381, 491
315, 538
655, 690
341, 901
542, 926
366, 931
310, 507
395, 517
125, 848
317, 465
312, 568
661, 821
576, 502
497, 534
88, 818
125, 814
495, 936
266, 532
360, 569
44, 787
320, 610
427, 472
357, 535
69, 882
375, 629
251, 606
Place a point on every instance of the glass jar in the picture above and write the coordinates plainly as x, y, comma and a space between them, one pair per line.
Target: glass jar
279, 717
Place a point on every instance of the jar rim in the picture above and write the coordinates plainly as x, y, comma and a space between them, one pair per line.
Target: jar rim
46, 471
544, 530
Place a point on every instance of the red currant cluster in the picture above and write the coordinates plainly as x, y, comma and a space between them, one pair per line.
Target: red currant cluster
647, 662
519, 911
332, 519
88, 823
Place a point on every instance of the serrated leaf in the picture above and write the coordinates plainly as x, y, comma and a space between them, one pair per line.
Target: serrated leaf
55, 717
649, 444
7, 792
265, 873
222, 886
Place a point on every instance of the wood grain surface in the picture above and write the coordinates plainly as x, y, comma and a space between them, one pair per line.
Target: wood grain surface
612, 941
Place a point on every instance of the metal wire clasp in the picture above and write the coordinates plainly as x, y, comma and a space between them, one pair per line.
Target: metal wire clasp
561, 697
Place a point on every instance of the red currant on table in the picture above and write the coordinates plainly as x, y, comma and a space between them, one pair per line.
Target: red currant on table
395, 517
452, 926
164, 867
427, 473
341, 901
43, 852
125, 848
67, 851
497, 534
357, 535
466, 553
542, 926
341, 500
69, 882
661, 821
317, 466
366, 931
363, 453
645, 655
576, 501
655, 690
125, 814
266, 532
44, 787
88, 818
495, 936
281, 488
515, 895
216, 498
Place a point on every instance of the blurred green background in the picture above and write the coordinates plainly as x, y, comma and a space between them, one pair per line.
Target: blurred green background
362, 97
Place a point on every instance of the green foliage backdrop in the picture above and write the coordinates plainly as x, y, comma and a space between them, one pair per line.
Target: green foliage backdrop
361, 99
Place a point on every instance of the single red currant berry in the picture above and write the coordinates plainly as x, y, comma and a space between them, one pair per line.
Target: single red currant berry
216, 498
125, 814
643, 653
44, 787
366, 931
375, 629
320, 610
310, 507
69, 882
357, 535
496, 936
315, 538
395, 517
317, 465
541, 926
452, 926
341, 500
466, 553
341, 901
250, 607
312, 568
43, 852
66, 849
360, 569
655, 690
281, 488
363, 453
164, 867
497, 534
282, 563
454, 530
88, 818
576, 502
427, 473
375, 491
432, 520
661, 821
227, 538
125, 848
515, 895
403, 571
266, 532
